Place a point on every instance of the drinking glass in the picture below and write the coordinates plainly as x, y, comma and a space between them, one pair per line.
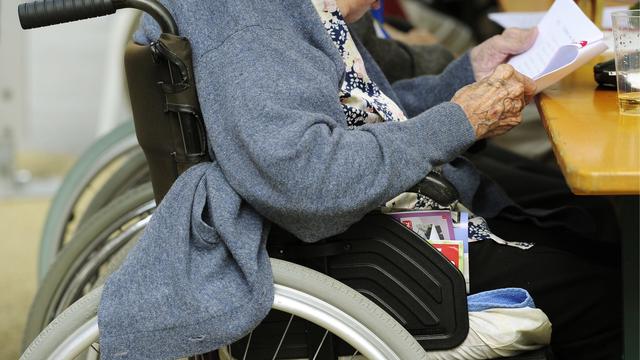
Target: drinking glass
626, 34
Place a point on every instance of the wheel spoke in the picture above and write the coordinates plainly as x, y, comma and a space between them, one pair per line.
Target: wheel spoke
282, 338
320, 346
246, 349
354, 354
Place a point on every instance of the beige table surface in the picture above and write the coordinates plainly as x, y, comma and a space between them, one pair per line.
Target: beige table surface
597, 149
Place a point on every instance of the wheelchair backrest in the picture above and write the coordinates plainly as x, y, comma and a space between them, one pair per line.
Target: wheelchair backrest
162, 89
166, 112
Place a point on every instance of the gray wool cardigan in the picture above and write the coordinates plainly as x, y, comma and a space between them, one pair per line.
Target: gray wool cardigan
268, 78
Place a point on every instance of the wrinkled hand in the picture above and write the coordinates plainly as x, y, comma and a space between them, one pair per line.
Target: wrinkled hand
494, 104
498, 49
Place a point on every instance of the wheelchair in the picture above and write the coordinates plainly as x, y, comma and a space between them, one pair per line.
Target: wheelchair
112, 165
109, 167
376, 291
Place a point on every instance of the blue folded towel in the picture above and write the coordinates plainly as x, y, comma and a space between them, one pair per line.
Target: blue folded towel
500, 298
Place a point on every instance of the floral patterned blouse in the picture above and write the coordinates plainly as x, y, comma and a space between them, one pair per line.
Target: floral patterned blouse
361, 99
364, 103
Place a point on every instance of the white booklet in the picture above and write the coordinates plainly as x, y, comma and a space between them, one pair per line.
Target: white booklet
567, 39
521, 20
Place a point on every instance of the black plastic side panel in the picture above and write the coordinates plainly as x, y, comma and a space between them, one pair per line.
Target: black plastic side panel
397, 270
166, 111
154, 126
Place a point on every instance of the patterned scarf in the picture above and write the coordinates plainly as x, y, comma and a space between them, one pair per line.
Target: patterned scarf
362, 100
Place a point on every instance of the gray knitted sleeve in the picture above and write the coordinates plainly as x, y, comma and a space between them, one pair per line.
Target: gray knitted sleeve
278, 132
423, 92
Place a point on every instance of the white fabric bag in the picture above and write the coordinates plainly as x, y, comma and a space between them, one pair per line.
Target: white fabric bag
500, 332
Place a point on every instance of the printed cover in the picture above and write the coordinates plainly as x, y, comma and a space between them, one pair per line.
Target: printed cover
430, 225
447, 231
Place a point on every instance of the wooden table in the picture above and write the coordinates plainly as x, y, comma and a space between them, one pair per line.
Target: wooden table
543, 5
598, 151
525, 5
599, 154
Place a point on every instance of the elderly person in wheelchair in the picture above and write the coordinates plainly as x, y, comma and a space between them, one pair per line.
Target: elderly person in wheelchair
307, 135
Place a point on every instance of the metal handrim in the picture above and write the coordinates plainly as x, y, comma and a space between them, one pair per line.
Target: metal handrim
141, 211
286, 299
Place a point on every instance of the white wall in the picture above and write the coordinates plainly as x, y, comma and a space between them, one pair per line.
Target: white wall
52, 81
64, 77
12, 73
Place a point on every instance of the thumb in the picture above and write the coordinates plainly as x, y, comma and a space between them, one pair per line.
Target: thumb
516, 41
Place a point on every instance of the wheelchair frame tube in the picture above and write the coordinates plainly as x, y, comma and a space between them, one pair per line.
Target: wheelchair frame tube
41, 13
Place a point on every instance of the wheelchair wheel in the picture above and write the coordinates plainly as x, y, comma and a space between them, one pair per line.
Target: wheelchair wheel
78, 267
300, 293
132, 173
64, 207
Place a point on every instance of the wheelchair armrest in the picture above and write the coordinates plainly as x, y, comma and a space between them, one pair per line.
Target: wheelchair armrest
437, 188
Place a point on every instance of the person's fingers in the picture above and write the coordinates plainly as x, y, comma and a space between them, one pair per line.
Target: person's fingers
503, 71
513, 105
526, 37
503, 126
496, 132
517, 87
517, 83
515, 41
511, 121
530, 86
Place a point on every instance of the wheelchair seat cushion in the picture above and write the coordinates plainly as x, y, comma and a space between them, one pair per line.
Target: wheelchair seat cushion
502, 322
501, 332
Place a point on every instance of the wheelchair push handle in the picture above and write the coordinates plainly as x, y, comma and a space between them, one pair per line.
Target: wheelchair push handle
50, 12
41, 13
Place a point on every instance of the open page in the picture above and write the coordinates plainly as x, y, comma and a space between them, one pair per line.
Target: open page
566, 40
522, 20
